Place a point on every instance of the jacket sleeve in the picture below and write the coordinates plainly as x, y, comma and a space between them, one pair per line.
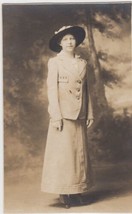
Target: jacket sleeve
90, 107
52, 89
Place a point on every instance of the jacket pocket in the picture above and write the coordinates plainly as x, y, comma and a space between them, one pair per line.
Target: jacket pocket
63, 79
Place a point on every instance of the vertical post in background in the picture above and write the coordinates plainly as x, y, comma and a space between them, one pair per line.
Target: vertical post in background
98, 89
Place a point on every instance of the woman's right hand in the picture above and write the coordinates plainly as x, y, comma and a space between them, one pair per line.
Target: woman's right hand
58, 124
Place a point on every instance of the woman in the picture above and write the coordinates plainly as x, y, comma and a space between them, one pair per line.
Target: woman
66, 168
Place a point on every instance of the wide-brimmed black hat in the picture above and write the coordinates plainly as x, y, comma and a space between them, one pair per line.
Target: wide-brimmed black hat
76, 31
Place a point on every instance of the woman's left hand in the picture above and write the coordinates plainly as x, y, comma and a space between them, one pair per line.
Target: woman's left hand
89, 122
58, 124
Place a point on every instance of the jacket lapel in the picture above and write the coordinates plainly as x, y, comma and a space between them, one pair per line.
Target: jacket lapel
77, 68
81, 68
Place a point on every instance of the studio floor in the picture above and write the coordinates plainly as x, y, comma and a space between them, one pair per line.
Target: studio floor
112, 193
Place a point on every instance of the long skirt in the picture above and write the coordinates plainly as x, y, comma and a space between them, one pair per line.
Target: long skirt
67, 168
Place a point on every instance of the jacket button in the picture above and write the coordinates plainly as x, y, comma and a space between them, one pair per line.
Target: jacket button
78, 98
78, 89
79, 81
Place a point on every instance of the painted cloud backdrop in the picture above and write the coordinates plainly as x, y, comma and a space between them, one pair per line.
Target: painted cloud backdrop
26, 32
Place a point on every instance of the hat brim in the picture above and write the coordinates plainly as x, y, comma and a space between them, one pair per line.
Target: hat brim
76, 31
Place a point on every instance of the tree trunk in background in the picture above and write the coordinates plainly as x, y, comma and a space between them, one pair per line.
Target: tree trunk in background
97, 86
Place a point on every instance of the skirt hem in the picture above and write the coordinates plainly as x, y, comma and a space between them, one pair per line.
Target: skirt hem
82, 188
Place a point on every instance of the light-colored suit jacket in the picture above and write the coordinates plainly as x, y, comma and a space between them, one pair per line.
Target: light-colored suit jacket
68, 91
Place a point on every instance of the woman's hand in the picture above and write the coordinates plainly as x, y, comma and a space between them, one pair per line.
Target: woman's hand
58, 124
89, 122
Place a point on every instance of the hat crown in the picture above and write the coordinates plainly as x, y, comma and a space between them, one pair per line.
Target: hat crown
63, 28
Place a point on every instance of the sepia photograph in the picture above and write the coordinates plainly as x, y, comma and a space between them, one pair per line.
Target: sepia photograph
67, 100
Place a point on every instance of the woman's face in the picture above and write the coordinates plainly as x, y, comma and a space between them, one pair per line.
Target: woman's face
68, 43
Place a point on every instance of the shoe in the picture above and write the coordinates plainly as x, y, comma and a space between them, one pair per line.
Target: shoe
65, 200
80, 198
84, 200
77, 199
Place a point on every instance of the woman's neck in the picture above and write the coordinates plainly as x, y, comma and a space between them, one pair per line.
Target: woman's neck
69, 55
